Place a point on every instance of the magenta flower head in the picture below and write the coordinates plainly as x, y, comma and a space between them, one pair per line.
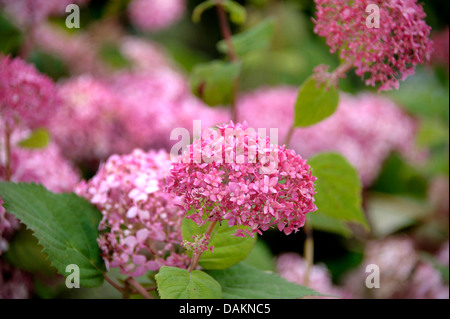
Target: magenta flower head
234, 173
141, 225
27, 98
382, 52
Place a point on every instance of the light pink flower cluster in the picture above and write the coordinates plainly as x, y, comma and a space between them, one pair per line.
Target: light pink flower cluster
292, 267
146, 56
365, 128
199, 245
14, 283
91, 123
402, 273
141, 225
44, 166
159, 102
234, 174
381, 55
32, 12
27, 98
155, 15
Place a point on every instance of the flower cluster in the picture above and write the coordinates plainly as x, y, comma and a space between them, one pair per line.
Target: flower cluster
381, 55
365, 128
199, 245
91, 122
27, 98
231, 173
403, 274
292, 267
158, 102
141, 225
154, 15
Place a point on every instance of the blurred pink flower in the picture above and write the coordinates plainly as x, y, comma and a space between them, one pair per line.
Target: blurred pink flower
155, 15
31, 12
141, 225
381, 55
27, 97
245, 180
365, 128
292, 267
440, 56
14, 283
91, 123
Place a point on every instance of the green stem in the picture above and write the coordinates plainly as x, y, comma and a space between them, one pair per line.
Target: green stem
196, 256
308, 252
226, 34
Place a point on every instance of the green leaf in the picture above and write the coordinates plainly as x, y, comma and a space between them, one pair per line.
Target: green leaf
237, 12
255, 38
228, 249
261, 257
177, 283
314, 103
65, 225
329, 224
39, 138
213, 82
111, 54
25, 253
246, 282
10, 35
338, 188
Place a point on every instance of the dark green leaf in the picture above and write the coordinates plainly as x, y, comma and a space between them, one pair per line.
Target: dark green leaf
314, 103
65, 225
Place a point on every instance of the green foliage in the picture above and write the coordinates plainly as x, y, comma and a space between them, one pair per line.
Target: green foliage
65, 225
213, 82
10, 37
338, 187
48, 64
111, 54
228, 249
176, 283
25, 253
39, 138
314, 103
261, 257
253, 39
329, 224
246, 282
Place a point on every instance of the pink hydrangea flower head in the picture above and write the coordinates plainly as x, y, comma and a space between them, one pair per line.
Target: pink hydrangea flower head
91, 123
141, 225
233, 173
27, 97
365, 128
155, 15
292, 267
381, 55
159, 102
